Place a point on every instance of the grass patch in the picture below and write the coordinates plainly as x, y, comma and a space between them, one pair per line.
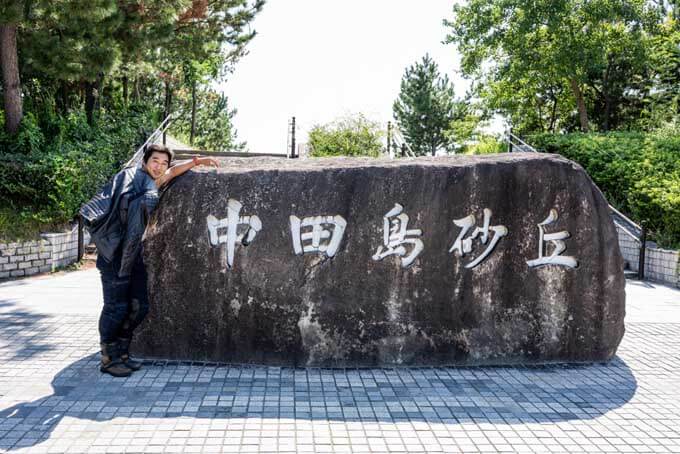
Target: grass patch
23, 226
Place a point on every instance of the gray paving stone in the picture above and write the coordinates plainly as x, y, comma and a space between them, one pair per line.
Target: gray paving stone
53, 399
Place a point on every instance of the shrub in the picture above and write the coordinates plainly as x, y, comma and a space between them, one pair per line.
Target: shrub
350, 136
486, 145
639, 173
656, 200
44, 180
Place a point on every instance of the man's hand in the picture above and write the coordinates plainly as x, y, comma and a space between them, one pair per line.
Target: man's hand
206, 162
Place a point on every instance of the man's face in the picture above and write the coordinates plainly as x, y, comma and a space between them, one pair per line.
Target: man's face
157, 164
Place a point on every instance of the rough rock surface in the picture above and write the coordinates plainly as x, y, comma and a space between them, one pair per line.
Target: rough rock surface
273, 306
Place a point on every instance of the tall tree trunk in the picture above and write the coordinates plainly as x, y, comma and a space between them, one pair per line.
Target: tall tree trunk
10, 77
63, 97
98, 93
168, 106
607, 99
193, 114
125, 90
539, 115
135, 91
107, 96
89, 102
168, 99
580, 104
553, 115
607, 111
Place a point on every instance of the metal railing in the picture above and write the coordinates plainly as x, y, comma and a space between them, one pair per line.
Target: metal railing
160, 130
634, 231
628, 226
396, 144
516, 144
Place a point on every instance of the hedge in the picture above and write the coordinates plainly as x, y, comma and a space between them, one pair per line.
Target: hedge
639, 173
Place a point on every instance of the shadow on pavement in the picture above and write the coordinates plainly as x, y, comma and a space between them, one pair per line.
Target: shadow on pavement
169, 389
21, 335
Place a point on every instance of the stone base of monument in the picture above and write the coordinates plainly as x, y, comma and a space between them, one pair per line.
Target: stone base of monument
364, 262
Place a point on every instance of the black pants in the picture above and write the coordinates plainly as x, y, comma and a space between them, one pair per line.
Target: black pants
126, 301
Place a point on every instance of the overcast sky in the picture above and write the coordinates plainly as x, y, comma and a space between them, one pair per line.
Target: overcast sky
321, 59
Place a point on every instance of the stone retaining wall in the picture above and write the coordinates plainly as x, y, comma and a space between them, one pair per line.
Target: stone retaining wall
661, 265
54, 250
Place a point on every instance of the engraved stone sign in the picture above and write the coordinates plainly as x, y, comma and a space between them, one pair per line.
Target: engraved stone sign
349, 261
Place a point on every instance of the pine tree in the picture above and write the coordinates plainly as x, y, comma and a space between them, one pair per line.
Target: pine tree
145, 27
425, 107
72, 41
64, 48
208, 39
214, 127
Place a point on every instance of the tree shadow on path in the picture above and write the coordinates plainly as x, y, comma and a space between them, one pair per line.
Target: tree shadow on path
170, 389
22, 335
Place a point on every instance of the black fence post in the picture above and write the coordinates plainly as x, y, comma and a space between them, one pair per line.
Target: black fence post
643, 248
81, 238
403, 150
510, 140
292, 141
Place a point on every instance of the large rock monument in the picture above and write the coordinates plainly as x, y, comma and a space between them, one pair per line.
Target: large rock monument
360, 262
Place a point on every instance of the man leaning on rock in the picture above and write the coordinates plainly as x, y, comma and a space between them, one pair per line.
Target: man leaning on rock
116, 219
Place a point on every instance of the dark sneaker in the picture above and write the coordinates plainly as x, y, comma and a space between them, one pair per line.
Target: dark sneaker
111, 362
115, 368
131, 363
124, 350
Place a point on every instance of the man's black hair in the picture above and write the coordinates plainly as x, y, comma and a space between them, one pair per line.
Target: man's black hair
157, 148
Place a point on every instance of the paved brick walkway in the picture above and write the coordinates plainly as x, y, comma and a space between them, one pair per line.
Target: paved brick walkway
53, 399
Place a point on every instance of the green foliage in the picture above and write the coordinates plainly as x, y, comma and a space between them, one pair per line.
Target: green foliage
639, 173
349, 136
426, 107
559, 66
462, 130
214, 124
486, 144
116, 58
22, 225
662, 104
656, 200
44, 180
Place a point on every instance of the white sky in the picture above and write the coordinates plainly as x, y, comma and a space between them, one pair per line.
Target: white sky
322, 59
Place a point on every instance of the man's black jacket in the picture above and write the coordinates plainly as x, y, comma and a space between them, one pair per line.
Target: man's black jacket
117, 216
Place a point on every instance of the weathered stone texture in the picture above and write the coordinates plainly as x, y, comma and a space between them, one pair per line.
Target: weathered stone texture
279, 308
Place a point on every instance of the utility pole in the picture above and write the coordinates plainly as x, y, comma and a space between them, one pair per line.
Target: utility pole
389, 138
292, 140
